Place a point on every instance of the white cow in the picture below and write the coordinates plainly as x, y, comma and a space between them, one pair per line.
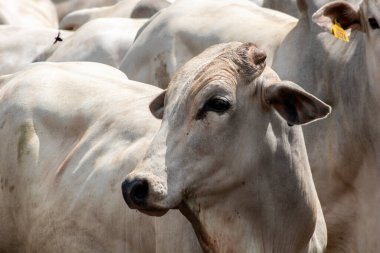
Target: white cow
286, 6
228, 156
104, 40
75, 19
64, 7
69, 134
124, 9
344, 150
147, 8
186, 28
36, 13
21, 45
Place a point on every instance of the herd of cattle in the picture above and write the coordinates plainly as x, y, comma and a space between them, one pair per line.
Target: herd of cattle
229, 127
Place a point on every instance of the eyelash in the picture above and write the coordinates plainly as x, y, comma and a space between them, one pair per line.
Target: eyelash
215, 104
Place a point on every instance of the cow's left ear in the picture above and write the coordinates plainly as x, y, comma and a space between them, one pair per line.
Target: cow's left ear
294, 104
346, 14
157, 105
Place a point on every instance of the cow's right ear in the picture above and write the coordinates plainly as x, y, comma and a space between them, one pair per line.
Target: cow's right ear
157, 105
346, 14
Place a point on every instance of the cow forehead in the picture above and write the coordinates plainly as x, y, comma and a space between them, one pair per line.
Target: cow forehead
219, 63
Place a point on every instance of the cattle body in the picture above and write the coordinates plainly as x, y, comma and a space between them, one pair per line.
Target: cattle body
64, 7
230, 156
147, 8
21, 45
286, 6
344, 150
77, 18
37, 13
69, 133
123, 9
103, 40
186, 28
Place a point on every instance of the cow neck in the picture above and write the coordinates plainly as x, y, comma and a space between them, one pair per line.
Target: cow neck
349, 81
353, 161
373, 67
344, 149
288, 219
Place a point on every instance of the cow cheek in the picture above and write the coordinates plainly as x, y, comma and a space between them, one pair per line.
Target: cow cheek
206, 137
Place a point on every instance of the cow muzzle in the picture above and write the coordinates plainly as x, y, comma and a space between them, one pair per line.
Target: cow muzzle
136, 193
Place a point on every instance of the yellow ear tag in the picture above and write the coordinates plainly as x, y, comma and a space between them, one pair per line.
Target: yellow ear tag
339, 32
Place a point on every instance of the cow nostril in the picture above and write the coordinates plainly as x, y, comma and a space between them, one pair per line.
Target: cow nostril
139, 191
135, 192
259, 56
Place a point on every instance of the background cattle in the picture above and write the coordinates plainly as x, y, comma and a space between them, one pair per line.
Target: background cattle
36, 13
124, 9
344, 149
286, 6
235, 168
147, 8
66, 6
103, 40
186, 28
69, 134
22, 45
75, 19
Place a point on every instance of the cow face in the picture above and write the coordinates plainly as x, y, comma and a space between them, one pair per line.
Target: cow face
214, 133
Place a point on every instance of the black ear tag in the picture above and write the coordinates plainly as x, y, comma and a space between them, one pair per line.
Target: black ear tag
373, 23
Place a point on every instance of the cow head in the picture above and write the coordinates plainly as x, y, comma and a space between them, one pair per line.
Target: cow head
364, 18
226, 119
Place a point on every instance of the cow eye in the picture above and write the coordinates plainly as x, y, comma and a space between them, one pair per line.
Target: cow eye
215, 104
373, 23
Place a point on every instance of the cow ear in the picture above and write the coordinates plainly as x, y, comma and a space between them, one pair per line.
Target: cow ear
346, 14
157, 105
294, 104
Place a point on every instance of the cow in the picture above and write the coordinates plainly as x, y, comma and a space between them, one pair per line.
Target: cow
286, 6
344, 156
22, 45
64, 7
124, 9
76, 18
230, 155
186, 28
147, 8
38, 13
104, 40
69, 134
